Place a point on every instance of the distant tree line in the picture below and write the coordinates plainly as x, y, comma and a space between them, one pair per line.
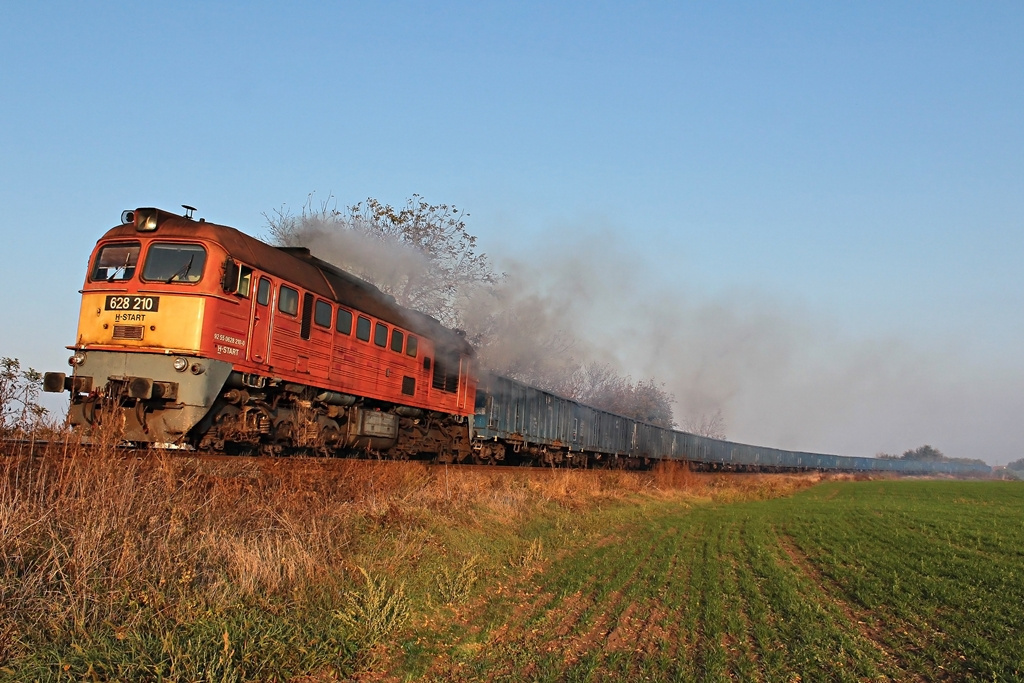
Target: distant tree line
929, 454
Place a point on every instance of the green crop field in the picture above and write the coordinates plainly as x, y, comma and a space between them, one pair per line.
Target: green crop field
874, 580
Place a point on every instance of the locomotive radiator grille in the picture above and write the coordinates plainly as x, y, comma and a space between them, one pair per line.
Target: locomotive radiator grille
128, 332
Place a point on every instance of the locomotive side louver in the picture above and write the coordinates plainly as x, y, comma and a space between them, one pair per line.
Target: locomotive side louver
128, 332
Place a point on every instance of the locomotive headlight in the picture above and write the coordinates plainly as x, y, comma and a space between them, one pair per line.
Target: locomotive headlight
180, 364
77, 359
145, 219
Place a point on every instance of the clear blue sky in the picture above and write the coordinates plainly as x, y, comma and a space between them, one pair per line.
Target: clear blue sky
851, 173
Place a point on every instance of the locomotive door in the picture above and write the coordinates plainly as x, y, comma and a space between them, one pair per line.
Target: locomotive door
261, 319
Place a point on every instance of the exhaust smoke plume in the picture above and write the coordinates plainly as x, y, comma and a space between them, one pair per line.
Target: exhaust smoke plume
423, 256
586, 313
777, 375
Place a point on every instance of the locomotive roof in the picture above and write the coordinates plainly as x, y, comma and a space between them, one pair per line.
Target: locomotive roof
298, 266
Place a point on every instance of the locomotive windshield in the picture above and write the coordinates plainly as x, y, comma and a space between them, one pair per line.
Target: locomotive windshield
116, 262
172, 262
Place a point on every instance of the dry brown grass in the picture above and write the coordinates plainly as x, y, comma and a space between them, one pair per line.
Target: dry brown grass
92, 540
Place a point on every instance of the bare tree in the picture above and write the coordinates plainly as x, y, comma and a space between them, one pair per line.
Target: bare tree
652, 403
711, 425
420, 253
603, 387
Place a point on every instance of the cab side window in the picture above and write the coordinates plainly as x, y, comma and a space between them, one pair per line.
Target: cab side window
244, 281
263, 292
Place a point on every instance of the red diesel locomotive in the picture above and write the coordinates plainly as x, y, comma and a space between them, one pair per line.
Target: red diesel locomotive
195, 334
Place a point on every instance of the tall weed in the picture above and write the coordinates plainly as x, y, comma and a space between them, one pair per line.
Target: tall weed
455, 582
375, 610
20, 411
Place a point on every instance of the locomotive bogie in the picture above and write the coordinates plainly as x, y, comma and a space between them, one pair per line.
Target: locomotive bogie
279, 421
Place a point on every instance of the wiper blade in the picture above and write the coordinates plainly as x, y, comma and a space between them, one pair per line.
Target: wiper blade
127, 258
183, 271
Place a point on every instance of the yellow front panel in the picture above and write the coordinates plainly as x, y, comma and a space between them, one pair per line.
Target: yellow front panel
130, 320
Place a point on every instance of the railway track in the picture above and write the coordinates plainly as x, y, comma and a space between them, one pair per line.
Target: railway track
21, 447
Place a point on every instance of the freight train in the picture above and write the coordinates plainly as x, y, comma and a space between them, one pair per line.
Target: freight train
196, 335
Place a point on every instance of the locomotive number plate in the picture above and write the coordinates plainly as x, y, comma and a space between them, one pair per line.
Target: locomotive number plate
147, 304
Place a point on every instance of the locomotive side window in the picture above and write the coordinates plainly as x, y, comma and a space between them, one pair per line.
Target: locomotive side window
237, 278
397, 340
344, 321
116, 262
263, 292
363, 328
244, 281
322, 315
410, 347
288, 300
380, 335
169, 262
